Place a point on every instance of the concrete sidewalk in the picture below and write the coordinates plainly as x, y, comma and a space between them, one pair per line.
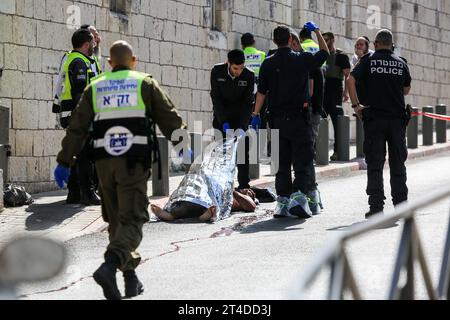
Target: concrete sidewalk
49, 215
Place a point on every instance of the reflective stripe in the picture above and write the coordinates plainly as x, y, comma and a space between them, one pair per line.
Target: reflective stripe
119, 114
100, 143
65, 114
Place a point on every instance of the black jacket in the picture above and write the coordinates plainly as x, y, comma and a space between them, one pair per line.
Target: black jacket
232, 98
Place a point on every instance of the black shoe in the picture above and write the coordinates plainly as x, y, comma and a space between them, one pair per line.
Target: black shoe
373, 213
105, 276
133, 287
90, 198
73, 198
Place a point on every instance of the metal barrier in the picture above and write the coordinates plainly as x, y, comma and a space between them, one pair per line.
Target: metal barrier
410, 250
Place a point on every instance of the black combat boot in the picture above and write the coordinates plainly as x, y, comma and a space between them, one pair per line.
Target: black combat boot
90, 198
133, 287
105, 276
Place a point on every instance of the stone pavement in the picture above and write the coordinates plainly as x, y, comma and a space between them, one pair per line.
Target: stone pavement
49, 215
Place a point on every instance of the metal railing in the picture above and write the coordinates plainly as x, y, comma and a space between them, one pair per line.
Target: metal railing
409, 252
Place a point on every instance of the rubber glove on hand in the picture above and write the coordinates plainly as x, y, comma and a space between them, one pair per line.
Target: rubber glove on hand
311, 26
62, 175
256, 122
226, 126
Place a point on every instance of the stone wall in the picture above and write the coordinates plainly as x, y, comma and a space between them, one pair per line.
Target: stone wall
178, 43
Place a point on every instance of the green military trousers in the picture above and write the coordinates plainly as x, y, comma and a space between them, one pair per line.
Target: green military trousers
124, 206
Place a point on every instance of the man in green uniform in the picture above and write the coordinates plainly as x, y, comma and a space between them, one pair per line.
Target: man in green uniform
123, 106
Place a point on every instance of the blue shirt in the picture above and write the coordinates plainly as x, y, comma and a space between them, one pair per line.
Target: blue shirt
284, 76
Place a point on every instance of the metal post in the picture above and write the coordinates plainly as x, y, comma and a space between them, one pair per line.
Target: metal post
4, 141
323, 144
444, 279
254, 169
160, 187
403, 260
359, 138
427, 128
343, 138
413, 131
441, 125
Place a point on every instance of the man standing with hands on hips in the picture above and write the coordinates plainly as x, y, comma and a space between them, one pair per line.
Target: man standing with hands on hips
284, 76
387, 81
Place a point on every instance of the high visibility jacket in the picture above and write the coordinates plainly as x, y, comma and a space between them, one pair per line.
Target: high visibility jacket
67, 103
310, 46
254, 59
121, 127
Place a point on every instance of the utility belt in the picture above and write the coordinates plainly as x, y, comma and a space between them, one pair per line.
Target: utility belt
299, 112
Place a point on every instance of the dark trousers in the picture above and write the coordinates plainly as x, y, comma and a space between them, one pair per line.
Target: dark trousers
244, 168
331, 100
334, 113
377, 133
296, 150
82, 173
124, 207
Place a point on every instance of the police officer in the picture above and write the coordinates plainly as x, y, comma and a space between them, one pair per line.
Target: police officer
232, 86
284, 76
337, 70
78, 74
122, 106
253, 57
387, 80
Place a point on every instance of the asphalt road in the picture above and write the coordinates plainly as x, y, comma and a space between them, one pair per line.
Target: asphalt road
252, 256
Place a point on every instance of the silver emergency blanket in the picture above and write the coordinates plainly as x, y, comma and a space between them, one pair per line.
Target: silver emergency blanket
210, 183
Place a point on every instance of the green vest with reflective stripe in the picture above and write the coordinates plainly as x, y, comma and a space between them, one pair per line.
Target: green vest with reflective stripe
121, 127
254, 59
67, 90
310, 46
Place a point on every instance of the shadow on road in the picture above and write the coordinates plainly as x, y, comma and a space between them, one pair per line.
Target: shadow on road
274, 225
348, 227
46, 216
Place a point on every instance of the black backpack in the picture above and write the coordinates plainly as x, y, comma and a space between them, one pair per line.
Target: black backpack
16, 196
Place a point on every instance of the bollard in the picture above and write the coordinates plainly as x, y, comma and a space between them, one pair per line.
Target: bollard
4, 125
413, 131
343, 138
323, 144
359, 138
254, 169
160, 187
197, 146
275, 151
441, 125
5, 148
427, 128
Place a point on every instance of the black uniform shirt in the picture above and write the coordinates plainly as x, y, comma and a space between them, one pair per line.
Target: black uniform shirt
232, 98
317, 98
285, 76
384, 76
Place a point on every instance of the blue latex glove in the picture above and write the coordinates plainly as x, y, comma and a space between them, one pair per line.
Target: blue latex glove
189, 154
62, 175
256, 122
226, 126
311, 26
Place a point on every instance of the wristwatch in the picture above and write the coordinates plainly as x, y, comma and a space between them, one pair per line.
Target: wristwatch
255, 114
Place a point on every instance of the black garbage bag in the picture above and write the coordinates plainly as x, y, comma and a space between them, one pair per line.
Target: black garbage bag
16, 196
264, 195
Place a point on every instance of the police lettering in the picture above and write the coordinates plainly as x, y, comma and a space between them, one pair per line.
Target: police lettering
387, 67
